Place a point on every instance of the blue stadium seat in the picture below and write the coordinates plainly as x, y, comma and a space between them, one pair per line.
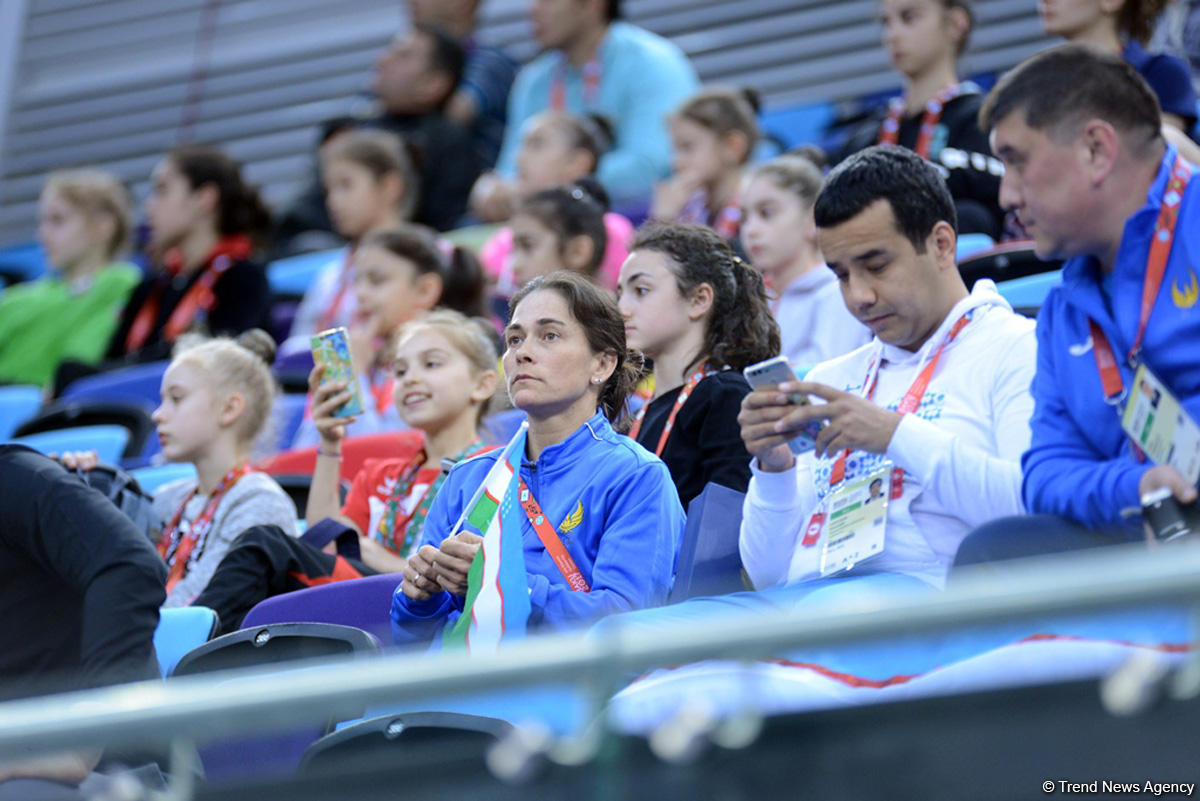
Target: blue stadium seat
292, 276
23, 262
287, 417
709, 562
180, 630
1030, 291
107, 441
18, 403
801, 124
152, 477
140, 382
970, 244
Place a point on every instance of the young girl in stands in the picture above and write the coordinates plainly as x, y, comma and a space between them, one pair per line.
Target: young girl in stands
604, 505
400, 274
445, 368
84, 224
202, 216
1123, 28
779, 235
561, 228
935, 115
370, 184
217, 396
700, 313
560, 149
713, 136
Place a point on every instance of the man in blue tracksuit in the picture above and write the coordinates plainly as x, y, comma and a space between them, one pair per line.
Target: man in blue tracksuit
1089, 175
621, 522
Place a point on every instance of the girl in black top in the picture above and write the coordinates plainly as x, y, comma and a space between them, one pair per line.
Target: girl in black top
701, 314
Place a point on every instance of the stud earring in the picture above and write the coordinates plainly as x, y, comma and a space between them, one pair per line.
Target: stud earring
595, 380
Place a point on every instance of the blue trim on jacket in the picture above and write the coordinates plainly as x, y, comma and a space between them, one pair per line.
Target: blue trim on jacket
1080, 464
625, 545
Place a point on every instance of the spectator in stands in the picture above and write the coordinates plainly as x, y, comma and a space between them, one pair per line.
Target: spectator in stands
81, 591
562, 228
1090, 174
595, 64
445, 368
202, 216
559, 148
713, 135
780, 236
83, 228
567, 367
400, 273
700, 313
370, 184
938, 405
216, 401
480, 102
414, 79
1123, 27
935, 115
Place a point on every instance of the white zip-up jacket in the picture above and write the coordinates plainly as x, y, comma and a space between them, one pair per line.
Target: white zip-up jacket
960, 450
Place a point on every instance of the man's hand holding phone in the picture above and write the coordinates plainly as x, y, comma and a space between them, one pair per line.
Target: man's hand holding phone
850, 422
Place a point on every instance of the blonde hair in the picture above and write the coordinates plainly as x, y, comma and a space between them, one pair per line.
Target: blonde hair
380, 153
95, 192
473, 337
241, 365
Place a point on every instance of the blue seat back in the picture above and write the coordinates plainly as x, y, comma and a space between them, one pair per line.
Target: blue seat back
1029, 292
139, 383
153, 477
293, 275
709, 562
18, 403
107, 441
181, 629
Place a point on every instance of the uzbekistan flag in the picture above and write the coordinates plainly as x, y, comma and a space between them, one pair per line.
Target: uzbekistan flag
497, 602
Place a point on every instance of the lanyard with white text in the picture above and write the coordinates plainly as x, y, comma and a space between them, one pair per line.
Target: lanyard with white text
1156, 268
551, 541
889, 132
693, 381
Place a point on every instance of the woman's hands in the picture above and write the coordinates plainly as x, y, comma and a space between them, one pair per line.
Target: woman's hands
432, 569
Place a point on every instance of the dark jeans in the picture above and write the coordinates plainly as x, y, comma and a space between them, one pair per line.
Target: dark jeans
1033, 535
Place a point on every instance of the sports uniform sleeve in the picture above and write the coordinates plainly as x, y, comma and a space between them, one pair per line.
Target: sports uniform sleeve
635, 562
776, 509
973, 484
1062, 473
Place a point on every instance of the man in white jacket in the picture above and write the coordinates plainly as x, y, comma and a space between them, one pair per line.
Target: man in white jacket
937, 405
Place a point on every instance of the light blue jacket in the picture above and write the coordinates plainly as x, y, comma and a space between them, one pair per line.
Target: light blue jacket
644, 78
1080, 464
625, 541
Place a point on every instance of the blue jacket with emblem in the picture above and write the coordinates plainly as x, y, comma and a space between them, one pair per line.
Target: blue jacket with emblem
625, 542
1080, 464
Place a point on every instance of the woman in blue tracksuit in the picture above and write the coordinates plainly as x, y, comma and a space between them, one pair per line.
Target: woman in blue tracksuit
612, 503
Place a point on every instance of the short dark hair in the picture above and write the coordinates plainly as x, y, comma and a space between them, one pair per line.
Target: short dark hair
446, 55
596, 311
911, 185
1072, 83
240, 208
573, 210
464, 285
740, 329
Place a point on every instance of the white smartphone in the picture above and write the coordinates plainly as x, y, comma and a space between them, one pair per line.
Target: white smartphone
775, 371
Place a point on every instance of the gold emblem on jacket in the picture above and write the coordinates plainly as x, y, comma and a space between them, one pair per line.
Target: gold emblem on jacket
1185, 297
572, 521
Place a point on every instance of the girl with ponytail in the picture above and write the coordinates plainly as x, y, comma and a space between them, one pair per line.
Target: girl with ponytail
701, 314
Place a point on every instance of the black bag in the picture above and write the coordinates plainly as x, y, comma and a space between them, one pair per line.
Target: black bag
123, 490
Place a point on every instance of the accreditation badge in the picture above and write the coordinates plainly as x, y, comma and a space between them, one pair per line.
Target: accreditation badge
1157, 424
854, 529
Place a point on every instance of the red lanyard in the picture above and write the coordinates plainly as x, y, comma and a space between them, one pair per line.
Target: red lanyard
694, 379
908, 404
391, 522
593, 71
551, 541
889, 132
345, 279
1156, 269
726, 221
198, 298
176, 550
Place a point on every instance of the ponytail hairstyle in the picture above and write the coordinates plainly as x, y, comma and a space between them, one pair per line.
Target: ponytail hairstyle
797, 171
571, 211
473, 337
240, 210
463, 282
241, 365
591, 133
950, 5
725, 111
380, 153
96, 193
1136, 18
740, 329
602, 323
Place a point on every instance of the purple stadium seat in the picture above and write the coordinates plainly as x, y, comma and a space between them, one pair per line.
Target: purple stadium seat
364, 603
